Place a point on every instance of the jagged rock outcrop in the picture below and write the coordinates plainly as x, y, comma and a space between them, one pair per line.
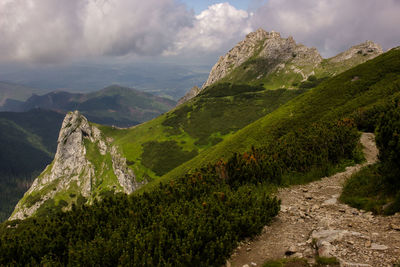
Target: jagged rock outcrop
189, 95
367, 49
72, 172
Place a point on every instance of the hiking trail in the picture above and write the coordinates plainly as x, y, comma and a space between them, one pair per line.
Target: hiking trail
312, 220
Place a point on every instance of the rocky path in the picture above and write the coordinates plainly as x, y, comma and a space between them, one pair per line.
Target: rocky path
312, 220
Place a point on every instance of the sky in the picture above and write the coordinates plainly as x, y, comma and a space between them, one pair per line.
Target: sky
48, 32
199, 5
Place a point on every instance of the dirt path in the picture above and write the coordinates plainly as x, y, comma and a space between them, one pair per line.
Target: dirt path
313, 220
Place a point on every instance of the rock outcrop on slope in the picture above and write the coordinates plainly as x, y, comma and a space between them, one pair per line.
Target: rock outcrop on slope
367, 49
275, 62
73, 174
189, 95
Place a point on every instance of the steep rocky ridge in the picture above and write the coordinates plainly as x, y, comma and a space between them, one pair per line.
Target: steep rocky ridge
74, 172
267, 59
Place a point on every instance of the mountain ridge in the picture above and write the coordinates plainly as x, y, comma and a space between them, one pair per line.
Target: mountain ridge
265, 57
112, 105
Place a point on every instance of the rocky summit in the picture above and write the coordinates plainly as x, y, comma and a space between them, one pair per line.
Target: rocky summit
73, 173
269, 46
267, 59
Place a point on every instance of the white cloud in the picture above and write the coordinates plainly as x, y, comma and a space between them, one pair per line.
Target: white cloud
333, 26
52, 31
215, 29
49, 31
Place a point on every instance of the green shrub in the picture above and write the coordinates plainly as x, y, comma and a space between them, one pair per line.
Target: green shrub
195, 220
325, 261
295, 152
162, 157
286, 263
388, 142
363, 190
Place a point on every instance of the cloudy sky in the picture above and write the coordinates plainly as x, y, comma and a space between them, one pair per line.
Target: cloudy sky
54, 32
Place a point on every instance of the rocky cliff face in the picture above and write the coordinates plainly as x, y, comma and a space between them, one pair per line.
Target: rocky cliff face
189, 95
72, 173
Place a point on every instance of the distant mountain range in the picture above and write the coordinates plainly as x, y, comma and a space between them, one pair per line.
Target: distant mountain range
11, 93
162, 79
113, 105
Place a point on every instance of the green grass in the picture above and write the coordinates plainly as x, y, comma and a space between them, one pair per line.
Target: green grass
295, 262
325, 261
286, 263
362, 190
367, 190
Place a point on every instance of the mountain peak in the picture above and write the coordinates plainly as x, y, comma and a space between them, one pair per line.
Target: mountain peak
269, 46
73, 171
260, 34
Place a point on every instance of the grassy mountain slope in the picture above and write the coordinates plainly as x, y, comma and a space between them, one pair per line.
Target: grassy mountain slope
334, 98
28, 142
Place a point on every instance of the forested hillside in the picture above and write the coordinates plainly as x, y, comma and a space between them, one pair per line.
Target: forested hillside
28, 142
